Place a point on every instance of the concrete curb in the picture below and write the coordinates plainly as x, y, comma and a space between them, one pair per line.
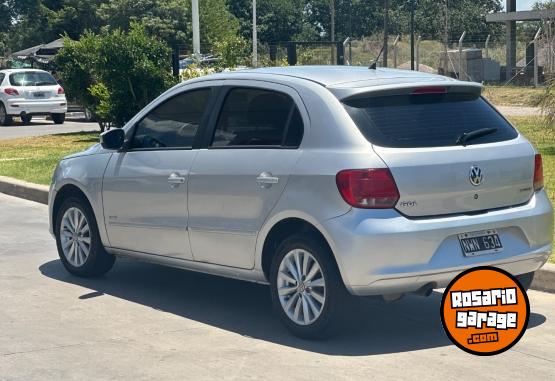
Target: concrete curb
23, 189
544, 279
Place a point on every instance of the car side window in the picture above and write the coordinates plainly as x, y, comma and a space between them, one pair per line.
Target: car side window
174, 123
257, 117
2, 76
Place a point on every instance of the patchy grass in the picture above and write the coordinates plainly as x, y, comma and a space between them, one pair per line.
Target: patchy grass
514, 96
34, 159
543, 137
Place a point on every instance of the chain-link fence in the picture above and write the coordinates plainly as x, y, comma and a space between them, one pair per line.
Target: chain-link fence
479, 58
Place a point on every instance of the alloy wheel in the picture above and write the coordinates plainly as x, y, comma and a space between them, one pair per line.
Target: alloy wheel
75, 237
301, 287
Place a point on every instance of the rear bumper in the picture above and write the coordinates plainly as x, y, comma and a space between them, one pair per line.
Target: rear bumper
18, 106
383, 252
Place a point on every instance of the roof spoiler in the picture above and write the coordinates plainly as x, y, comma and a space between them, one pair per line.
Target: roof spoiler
414, 88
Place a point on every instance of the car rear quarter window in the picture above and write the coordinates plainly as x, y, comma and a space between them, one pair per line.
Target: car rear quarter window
32, 78
427, 120
257, 118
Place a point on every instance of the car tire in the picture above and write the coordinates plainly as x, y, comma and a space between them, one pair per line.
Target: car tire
526, 280
26, 119
89, 117
78, 241
59, 118
5, 119
307, 303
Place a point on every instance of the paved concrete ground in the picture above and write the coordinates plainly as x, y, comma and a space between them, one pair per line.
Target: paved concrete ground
42, 126
520, 111
145, 322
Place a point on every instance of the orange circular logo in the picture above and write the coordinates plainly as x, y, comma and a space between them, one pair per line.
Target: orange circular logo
485, 311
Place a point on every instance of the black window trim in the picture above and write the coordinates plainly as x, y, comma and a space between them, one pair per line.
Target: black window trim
196, 140
215, 117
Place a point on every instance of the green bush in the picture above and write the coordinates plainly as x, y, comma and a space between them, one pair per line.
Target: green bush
233, 51
115, 74
548, 103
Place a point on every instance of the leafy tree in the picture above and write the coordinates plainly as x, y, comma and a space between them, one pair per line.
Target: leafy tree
170, 20
166, 19
116, 73
277, 20
76, 16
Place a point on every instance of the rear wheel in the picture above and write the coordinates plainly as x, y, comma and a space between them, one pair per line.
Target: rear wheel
26, 119
526, 280
306, 286
79, 245
5, 119
59, 118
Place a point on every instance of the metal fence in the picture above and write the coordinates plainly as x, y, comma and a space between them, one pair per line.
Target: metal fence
478, 58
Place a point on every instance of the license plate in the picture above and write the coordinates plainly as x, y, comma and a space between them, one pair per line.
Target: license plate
38, 95
480, 243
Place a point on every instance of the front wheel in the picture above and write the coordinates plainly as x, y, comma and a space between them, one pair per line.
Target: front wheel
59, 118
306, 287
78, 241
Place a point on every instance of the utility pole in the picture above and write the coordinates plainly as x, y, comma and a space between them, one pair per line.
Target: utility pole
254, 36
332, 34
412, 9
446, 38
332, 12
385, 32
196, 29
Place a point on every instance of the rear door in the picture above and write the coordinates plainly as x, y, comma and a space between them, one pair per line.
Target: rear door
418, 134
236, 181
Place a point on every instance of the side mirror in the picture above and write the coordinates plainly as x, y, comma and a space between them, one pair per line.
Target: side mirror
112, 139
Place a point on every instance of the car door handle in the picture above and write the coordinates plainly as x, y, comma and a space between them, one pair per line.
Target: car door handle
175, 179
266, 180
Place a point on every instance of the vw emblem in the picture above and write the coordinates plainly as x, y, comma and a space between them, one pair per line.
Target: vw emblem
475, 176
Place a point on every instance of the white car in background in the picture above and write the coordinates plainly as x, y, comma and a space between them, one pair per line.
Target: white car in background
29, 92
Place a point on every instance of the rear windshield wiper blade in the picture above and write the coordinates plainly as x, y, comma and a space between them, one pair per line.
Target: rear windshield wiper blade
467, 136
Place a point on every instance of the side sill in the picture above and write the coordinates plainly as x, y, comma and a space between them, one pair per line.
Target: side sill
255, 276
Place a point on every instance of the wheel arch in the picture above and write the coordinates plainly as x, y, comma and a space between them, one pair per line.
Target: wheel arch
285, 227
66, 191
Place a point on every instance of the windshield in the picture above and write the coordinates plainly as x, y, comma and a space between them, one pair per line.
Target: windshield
32, 78
431, 120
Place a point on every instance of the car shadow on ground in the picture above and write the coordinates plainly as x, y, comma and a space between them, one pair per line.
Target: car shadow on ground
368, 326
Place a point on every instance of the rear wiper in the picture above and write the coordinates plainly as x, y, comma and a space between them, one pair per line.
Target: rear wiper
467, 136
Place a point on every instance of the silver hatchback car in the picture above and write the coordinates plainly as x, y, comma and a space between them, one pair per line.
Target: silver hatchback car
319, 181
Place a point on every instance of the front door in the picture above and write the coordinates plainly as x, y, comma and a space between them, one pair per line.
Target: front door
238, 179
145, 187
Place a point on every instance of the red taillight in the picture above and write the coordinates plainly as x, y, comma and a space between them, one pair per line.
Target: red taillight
61, 90
368, 188
538, 173
430, 90
11, 91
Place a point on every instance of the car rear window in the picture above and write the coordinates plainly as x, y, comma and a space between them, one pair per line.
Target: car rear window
426, 120
32, 78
